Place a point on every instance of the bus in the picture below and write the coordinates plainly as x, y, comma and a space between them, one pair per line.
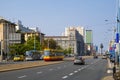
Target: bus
32, 55
52, 55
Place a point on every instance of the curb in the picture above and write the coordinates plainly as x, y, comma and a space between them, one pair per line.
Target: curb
108, 78
11, 67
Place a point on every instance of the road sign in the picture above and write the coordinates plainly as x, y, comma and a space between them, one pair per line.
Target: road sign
117, 37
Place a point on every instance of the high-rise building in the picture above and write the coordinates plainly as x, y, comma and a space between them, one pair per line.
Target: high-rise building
89, 41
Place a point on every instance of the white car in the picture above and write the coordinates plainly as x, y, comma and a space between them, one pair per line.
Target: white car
28, 58
79, 60
104, 57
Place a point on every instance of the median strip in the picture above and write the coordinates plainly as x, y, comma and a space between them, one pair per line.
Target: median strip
9, 67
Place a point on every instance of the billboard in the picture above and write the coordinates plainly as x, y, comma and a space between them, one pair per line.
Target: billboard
89, 37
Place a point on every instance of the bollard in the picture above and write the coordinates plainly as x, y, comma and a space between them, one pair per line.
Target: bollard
114, 71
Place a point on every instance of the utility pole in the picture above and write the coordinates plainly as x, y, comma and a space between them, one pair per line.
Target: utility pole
34, 41
118, 31
1, 51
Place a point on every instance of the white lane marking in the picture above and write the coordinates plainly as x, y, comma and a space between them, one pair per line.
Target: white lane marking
64, 77
71, 74
109, 71
79, 69
39, 72
75, 71
22, 76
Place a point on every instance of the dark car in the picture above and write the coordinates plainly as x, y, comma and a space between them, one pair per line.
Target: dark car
95, 57
79, 60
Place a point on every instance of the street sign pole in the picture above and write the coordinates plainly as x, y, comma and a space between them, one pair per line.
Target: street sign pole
118, 30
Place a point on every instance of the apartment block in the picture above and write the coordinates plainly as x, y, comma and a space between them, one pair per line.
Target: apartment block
8, 35
71, 39
28, 31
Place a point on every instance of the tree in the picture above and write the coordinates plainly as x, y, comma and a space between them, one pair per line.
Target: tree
33, 42
50, 43
17, 49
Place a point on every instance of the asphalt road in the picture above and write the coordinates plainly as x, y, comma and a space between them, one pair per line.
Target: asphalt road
94, 69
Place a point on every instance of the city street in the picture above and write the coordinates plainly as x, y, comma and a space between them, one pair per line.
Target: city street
94, 69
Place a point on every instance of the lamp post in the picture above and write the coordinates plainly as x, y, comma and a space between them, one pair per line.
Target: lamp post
1, 51
118, 31
48, 43
34, 41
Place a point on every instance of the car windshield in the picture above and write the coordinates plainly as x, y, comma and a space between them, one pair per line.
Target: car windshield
17, 56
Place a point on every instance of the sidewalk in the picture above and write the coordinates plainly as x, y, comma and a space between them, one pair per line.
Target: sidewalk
108, 78
109, 70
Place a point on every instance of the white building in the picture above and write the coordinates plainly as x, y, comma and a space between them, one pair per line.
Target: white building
71, 39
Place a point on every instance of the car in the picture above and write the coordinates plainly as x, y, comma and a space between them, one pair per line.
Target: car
19, 58
41, 57
95, 57
79, 60
112, 59
28, 58
104, 57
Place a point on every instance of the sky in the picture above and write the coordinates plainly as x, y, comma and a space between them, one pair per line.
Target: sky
52, 16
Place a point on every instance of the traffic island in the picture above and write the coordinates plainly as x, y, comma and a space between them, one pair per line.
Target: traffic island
108, 78
10, 67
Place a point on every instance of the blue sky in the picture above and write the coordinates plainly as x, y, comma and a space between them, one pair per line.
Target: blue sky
52, 16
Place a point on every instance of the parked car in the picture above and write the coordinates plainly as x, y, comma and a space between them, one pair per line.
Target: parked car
104, 57
18, 58
79, 60
28, 58
95, 56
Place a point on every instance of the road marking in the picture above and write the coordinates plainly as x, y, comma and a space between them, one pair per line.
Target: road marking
79, 69
75, 71
65, 77
71, 74
39, 72
22, 76
50, 69
109, 71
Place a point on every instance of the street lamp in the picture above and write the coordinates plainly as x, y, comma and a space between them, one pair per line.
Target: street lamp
118, 30
1, 51
34, 41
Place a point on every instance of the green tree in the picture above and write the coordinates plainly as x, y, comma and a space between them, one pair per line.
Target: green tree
17, 49
50, 43
33, 42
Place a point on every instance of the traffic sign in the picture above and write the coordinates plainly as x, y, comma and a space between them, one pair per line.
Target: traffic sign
117, 37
